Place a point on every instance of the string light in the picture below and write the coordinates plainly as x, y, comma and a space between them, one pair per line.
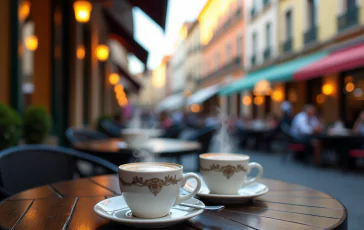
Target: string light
247, 100
82, 11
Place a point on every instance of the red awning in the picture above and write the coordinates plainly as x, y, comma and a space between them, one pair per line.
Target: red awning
119, 33
339, 61
126, 75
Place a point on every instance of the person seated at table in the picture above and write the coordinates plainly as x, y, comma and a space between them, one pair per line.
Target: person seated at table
272, 126
165, 121
243, 122
287, 114
211, 120
303, 128
271, 121
359, 124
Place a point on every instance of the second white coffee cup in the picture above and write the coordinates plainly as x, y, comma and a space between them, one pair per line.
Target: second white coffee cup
226, 173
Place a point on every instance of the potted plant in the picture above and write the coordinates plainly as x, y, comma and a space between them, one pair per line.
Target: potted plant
10, 127
37, 125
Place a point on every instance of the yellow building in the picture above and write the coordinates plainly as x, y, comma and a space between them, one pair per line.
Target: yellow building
309, 26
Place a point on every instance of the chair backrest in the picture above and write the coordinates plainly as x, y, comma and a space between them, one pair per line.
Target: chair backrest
28, 166
203, 136
110, 129
75, 136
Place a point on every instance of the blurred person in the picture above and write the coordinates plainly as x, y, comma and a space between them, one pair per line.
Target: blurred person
304, 126
359, 124
286, 120
272, 121
177, 117
211, 120
240, 123
165, 121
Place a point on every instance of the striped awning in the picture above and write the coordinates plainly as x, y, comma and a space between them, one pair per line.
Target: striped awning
279, 73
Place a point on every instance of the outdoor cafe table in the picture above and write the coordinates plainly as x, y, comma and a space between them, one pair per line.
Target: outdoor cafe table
341, 144
69, 205
162, 147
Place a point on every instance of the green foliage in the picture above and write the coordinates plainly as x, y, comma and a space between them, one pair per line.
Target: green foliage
10, 127
37, 125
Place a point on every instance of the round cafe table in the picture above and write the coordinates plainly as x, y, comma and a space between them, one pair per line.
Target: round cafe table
342, 144
164, 147
69, 205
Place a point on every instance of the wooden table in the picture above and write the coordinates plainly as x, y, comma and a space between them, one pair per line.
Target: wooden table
69, 205
163, 147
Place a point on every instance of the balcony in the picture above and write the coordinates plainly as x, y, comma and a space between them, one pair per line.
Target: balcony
266, 3
225, 27
253, 60
253, 12
233, 65
310, 35
287, 45
266, 53
348, 19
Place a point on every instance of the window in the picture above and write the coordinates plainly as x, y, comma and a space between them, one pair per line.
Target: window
267, 34
217, 60
350, 4
288, 20
239, 45
228, 52
311, 12
254, 38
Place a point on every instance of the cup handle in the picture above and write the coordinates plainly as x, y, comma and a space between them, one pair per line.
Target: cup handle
260, 173
187, 176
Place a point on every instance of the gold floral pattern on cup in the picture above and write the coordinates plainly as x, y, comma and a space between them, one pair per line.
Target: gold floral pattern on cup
154, 185
227, 170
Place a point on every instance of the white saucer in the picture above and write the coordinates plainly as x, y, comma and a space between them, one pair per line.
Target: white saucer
115, 209
245, 194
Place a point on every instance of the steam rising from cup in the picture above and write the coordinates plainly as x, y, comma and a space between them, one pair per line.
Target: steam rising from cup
141, 150
223, 137
136, 121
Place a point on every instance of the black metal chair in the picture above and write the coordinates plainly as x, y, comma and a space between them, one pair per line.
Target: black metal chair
110, 129
75, 136
173, 131
300, 150
29, 166
204, 137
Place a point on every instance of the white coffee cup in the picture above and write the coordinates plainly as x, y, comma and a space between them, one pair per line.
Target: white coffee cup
226, 173
135, 138
151, 189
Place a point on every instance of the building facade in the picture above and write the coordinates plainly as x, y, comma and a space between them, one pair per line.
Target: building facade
222, 40
178, 75
192, 64
261, 43
318, 60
